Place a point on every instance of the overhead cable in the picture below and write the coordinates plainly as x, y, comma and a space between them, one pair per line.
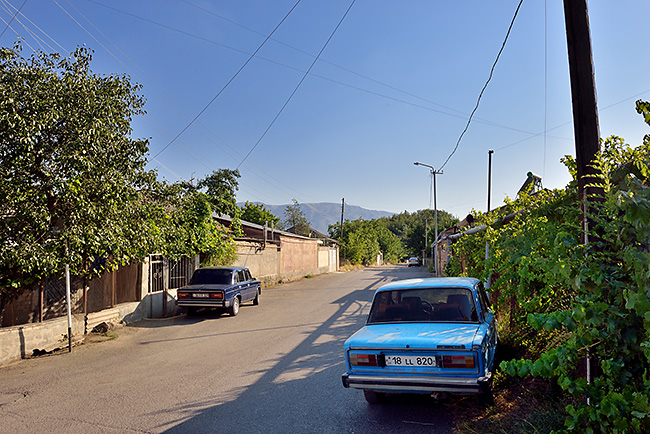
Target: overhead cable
478, 101
229, 81
451, 112
203, 159
12, 18
299, 83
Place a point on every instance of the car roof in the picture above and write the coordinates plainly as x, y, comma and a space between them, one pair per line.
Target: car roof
431, 282
221, 268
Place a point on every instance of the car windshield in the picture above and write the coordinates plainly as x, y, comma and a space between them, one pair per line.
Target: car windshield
424, 305
206, 276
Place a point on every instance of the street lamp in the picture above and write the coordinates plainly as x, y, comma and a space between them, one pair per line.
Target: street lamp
433, 172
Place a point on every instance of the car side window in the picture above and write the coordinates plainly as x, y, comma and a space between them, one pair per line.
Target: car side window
247, 275
483, 299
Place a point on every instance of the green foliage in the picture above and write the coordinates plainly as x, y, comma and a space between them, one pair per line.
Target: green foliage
221, 188
363, 240
258, 213
71, 175
295, 220
396, 237
410, 228
566, 300
73, 182
181, 220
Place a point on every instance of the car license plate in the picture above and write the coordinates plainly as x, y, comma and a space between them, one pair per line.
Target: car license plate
410, 361
200, 295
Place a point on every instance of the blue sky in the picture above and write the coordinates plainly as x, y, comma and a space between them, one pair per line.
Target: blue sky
395, 85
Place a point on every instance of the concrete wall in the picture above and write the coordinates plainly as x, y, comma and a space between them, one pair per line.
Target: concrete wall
20, 341
271, 263
262, 261
299, 257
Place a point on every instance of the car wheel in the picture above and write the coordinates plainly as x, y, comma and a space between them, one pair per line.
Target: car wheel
486, 397
234, 309
374, 397
191, 311
256, 300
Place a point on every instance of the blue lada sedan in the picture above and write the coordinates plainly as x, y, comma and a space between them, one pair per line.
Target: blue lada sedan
434, 335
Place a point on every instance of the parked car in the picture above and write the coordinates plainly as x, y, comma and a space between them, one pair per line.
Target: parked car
432, 335
413, 262
221, 288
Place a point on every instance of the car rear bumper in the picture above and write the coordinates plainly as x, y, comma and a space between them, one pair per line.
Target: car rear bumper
203, 303
418, 384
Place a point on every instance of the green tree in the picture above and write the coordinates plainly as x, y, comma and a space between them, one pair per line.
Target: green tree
181, 219
295, 220
71, 175
258, 213
221, 190
411, 228
73, 182
363, 240
567, 300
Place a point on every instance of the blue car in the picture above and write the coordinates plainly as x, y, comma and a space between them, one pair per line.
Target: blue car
433, 336
223, 288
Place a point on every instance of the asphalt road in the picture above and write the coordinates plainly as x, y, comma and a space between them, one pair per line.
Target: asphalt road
274, 368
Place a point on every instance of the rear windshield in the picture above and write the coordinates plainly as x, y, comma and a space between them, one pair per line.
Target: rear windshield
204, 276
424, 305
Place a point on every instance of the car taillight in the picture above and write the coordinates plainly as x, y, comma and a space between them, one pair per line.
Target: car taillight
459, 362
363, 359
217, 295
183, 295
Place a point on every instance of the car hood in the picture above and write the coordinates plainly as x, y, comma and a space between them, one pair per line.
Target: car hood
203, 287
414, 335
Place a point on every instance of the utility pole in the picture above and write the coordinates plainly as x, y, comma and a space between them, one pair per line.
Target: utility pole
583, 96
426, 241
585, 113
487, 243
490, 152
342, 210
434, 172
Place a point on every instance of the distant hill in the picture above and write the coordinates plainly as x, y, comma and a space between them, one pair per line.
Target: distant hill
321, 215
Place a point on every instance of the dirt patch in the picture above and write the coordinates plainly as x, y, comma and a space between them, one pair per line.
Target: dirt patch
524, 405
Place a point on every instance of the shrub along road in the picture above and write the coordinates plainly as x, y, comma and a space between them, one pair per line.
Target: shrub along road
274, 368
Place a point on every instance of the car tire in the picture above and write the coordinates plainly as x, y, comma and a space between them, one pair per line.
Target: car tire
374, 397
191, 311
256, 300
234, 309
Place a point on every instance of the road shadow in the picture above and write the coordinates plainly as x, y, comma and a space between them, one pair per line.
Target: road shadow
303, 392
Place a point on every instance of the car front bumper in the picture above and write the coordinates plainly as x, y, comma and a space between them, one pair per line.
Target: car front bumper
418, 384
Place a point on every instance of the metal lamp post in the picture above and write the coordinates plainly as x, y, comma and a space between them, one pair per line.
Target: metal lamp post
433, 172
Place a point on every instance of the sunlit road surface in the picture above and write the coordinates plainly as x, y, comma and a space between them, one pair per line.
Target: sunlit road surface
274, 368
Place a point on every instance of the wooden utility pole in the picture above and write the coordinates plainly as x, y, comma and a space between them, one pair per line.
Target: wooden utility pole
342, 210
583, 96
585, 114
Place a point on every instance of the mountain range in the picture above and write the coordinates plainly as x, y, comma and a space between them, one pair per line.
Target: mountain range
321, 215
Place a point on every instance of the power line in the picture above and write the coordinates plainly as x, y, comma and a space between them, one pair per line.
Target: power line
12, 18
570, 122
485, 86
257, 172
229, 81
451, 112
299, 83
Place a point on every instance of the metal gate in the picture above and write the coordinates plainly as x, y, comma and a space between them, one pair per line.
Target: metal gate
156, 273
174, 273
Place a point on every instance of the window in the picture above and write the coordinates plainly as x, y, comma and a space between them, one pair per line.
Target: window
207, 276
424, 305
